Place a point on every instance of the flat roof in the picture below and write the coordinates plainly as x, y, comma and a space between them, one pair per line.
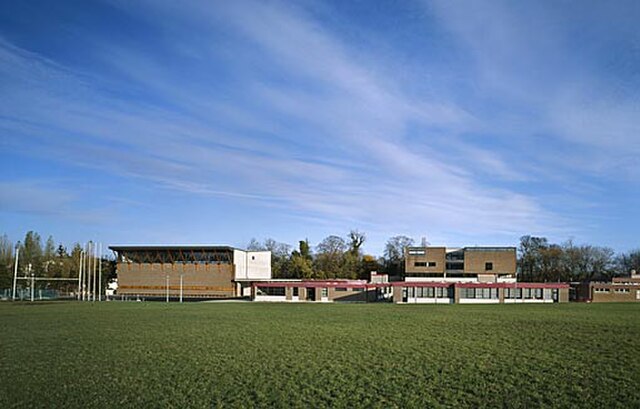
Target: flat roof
172, 247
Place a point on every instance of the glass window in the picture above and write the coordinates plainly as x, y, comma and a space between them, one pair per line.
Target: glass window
270, 290
488, 266
420, 264
295, 291
432, 264
324, 292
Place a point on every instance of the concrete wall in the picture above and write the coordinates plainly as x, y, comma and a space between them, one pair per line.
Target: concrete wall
612, 296
432, 254
252, 265
199, 280
504, 262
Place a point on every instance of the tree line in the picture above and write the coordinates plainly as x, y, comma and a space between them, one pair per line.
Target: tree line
337, 257
540, 260
49, 260
333, 257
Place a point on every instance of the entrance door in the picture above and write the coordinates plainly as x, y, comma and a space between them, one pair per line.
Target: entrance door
311, 294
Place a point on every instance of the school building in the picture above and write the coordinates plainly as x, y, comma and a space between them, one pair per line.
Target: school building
620, 289
189, 271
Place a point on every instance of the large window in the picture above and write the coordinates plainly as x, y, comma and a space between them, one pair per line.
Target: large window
271, 291
420, 264
479, 293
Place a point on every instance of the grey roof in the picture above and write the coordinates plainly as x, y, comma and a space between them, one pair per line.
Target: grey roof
172, 247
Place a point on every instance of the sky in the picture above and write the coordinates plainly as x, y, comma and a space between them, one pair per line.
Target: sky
468, 123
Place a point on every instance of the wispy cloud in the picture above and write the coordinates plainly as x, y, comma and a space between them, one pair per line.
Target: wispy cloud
263, 103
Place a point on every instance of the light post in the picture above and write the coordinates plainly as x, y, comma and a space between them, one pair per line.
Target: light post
80, 261
33, 282
181, 288
100, 275
15, 271
167, 287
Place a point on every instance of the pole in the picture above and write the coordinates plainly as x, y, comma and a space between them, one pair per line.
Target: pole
89, 259
95, 262
100, 275
33, 282
80, 275
167, 287
15, 273
181, 287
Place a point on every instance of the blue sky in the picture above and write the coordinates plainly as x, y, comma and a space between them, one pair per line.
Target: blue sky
470, 123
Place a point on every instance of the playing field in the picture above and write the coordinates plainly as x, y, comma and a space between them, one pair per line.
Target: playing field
367, 355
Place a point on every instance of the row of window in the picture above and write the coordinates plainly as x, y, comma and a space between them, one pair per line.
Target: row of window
296, 291
488, 266
479, 293
429, 292
424, 264
607, 290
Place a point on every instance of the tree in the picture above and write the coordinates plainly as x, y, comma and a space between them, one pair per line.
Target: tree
394, 254
49, 253
254, 245
329, 261
300, 264
6, 261
530, 261
628, 262
551, 263
279, 257
356, 240
31, 251
369, 264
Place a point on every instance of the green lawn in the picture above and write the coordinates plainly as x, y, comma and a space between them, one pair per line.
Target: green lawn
359, 355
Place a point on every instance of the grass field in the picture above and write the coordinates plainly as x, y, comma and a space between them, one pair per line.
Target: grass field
366, 355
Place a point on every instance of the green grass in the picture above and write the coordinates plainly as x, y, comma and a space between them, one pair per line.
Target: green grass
366, 355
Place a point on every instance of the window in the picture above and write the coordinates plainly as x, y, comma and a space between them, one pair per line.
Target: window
442, 292
357, 290
295, 291
468, 293
432, 264
324, 292
277, 291
600, 290
253, 257
341, 289
417, 252
486, 293
420, 264
488, 266
410, 274
622, 290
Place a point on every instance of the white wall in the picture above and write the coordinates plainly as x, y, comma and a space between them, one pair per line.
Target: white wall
240, 262
410, 279
272, 298
479, 301
252, 265
413, 300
